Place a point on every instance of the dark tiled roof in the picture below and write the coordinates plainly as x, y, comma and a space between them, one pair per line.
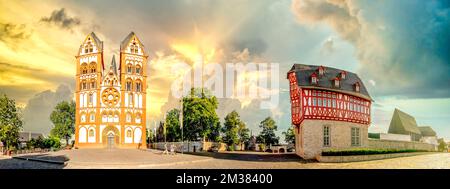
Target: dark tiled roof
125, 41
113, 65
98, 42
304, 72
403, 123
427, 131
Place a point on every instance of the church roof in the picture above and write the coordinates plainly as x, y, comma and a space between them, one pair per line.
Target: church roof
403, 123
98, 42
347, 84
113, 66
427, 131
127, 39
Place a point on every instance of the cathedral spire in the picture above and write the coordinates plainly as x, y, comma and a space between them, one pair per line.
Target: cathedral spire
113, 66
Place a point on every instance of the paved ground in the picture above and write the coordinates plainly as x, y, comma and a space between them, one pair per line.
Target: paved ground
121, 158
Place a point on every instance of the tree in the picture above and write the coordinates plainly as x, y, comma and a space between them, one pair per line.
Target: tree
150, 136
243, 133
200, 120
442, 145
267, 135
173, 130
231, 128
63, 118
289, 136
10, 122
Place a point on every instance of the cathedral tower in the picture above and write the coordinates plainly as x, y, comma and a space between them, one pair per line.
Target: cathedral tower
110, 102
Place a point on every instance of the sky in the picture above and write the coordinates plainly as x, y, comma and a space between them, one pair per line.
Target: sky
398, 48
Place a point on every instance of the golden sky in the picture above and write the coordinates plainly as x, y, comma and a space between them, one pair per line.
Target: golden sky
38, 42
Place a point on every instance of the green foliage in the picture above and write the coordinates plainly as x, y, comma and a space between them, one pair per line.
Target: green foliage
374, 135
173, 130
10, 122
289, 135
51, 142
243, 134
63, 118
231, 128
150, 136
363, 151
442, 146
267, 135
200, 120
262, 147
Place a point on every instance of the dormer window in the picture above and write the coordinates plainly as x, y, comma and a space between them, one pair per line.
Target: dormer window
314, 79
321, 70
336, 82
343, 74
357, 87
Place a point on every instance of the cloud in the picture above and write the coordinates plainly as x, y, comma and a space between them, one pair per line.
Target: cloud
9, 30
61, 19
38, 110
404, 52
328, 46
11, 33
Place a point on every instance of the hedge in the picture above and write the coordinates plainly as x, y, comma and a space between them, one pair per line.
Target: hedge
366, 152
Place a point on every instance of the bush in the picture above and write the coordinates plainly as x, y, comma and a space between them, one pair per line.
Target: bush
231, 147
366, 152
262, 147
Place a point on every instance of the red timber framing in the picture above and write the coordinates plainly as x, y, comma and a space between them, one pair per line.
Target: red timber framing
318, 104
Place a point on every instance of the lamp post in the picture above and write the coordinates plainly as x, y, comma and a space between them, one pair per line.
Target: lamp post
181, 125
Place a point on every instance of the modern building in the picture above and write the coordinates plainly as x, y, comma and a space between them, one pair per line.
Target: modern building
110, 102
404, 124
428, 135
330, 109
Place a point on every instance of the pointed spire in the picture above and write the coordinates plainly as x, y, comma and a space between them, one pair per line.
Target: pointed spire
113, 65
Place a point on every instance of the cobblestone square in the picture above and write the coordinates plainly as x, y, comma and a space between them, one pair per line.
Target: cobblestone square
154, 159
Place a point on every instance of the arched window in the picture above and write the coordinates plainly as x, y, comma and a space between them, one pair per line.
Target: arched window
84, 68
138, 69
129, 69
84, 85
128, 85
93, 85
91, 132
128, 118
130, 99
83, 117
138, 118
129, 133
91, 98
104, 116
138, 86
110, 116
116, 116
92, 67
92, 117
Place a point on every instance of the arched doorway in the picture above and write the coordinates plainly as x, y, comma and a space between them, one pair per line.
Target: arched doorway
110, 142
110, 137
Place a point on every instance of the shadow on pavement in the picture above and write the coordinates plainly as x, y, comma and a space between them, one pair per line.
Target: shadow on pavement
256, 157
42, 161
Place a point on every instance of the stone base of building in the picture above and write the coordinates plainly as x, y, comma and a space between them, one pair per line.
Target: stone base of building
309, 137
99, 146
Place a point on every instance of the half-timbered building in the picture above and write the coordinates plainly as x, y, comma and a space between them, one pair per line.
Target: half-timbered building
330, 109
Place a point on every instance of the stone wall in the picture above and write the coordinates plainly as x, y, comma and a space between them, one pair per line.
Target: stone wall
343, 159
396, 137
193, 146
401, 145
310, 137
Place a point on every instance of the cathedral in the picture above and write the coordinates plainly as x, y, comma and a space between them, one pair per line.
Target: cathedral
110, 101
